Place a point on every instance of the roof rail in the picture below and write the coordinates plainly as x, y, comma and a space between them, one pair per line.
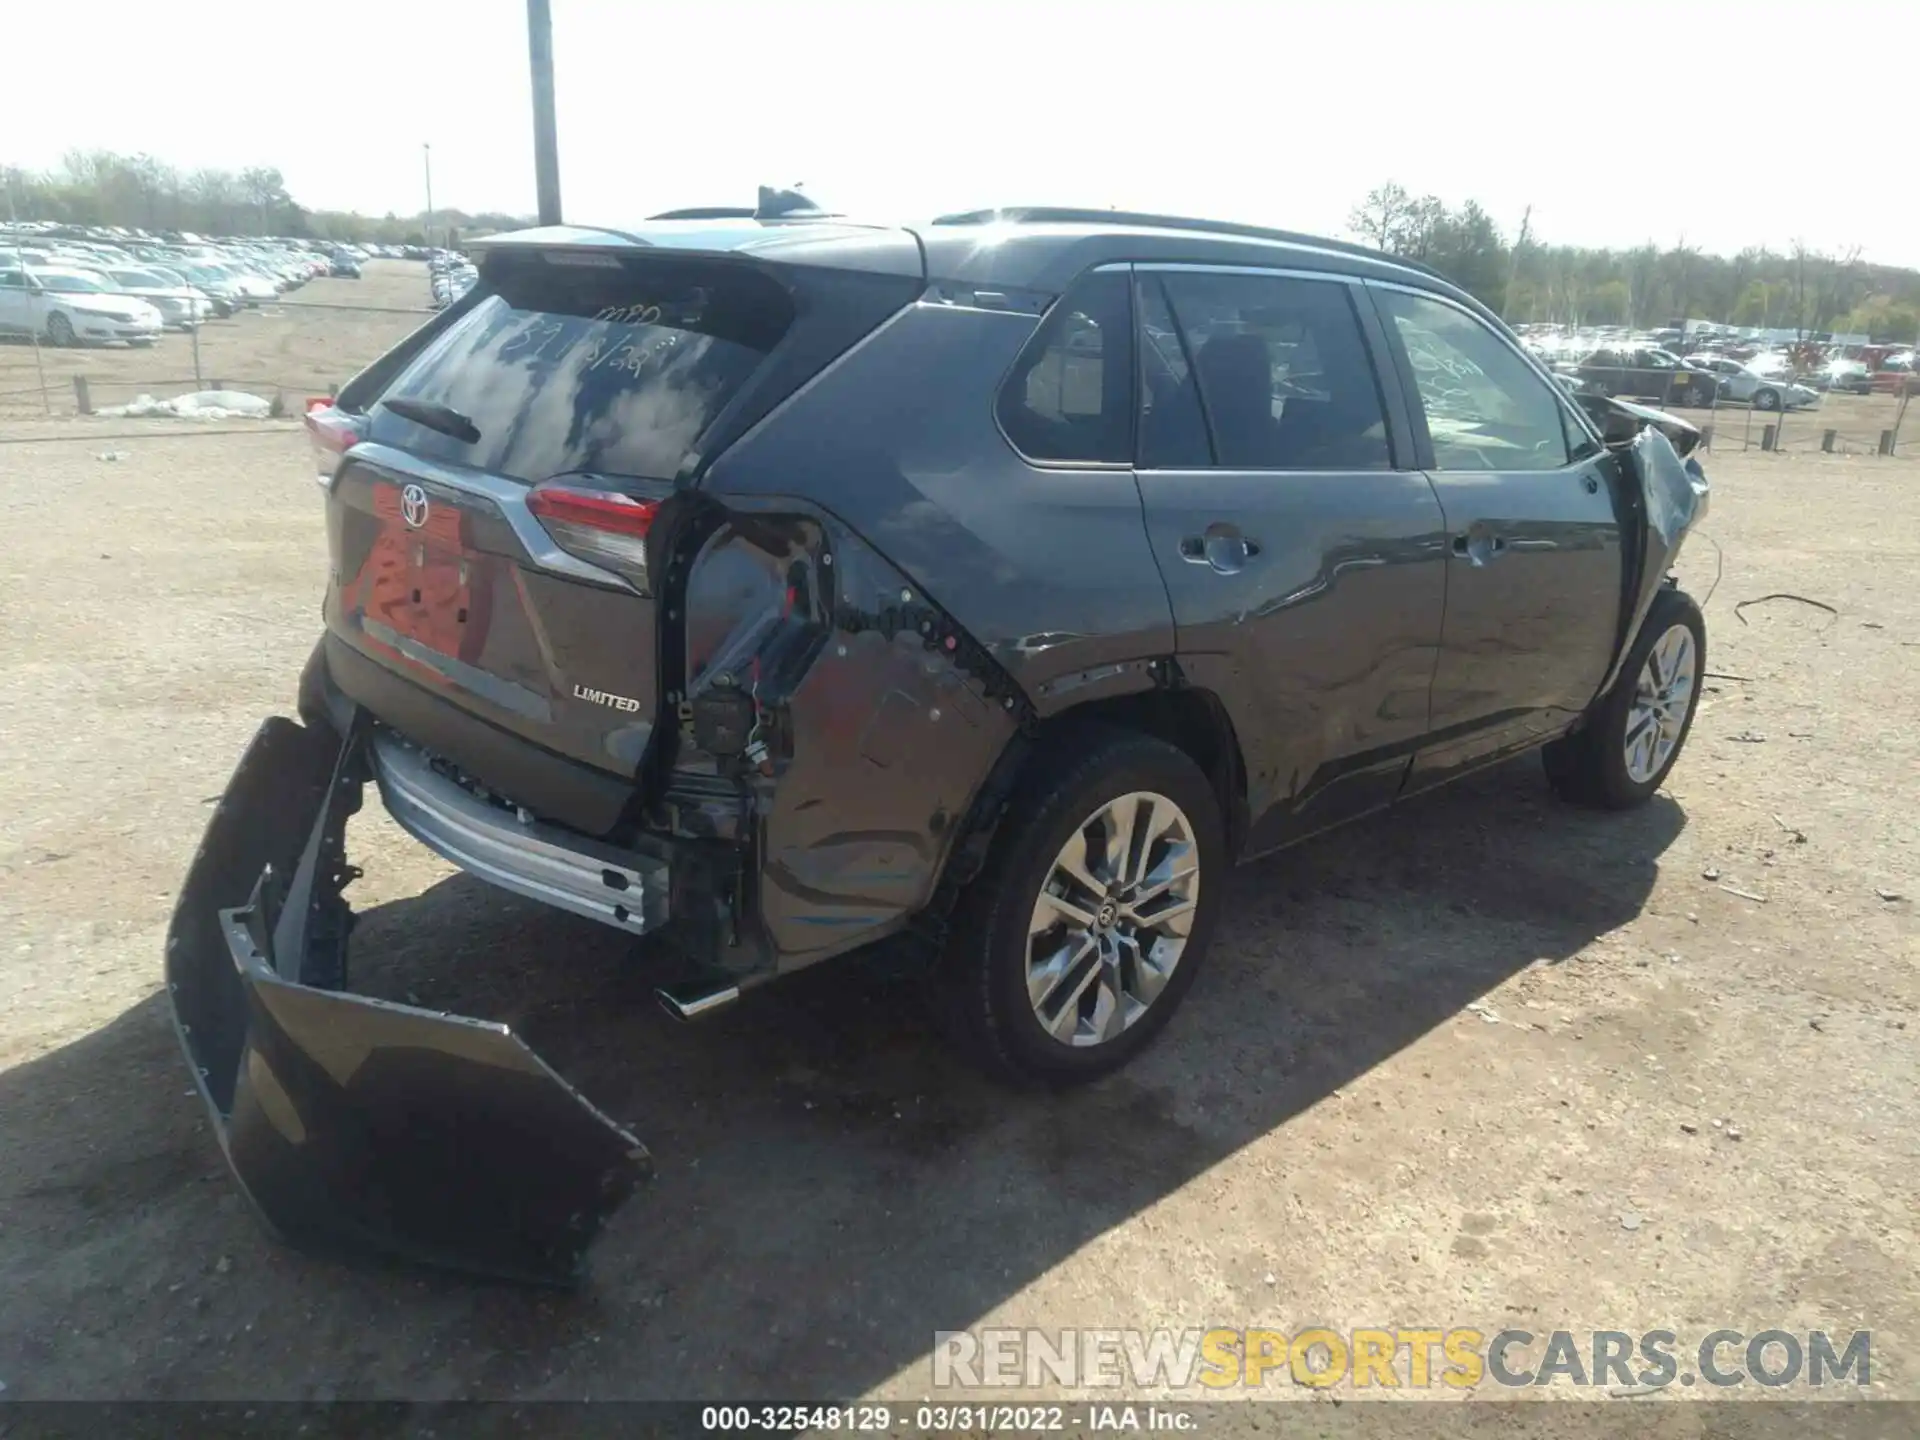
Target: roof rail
707, 212
1067, 215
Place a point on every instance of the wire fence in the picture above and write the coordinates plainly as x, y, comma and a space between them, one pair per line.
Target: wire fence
1835, 424
303, 344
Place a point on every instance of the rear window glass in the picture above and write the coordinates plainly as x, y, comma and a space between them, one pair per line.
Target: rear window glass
591, 362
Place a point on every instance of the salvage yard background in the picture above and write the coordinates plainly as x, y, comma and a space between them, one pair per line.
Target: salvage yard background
1484, 1061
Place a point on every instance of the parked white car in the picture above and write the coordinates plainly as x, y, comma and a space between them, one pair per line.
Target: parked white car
67, 307
181, 307
1746, 386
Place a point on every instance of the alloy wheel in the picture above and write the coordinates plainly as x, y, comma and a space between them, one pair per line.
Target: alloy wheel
1112, 918
1661, 698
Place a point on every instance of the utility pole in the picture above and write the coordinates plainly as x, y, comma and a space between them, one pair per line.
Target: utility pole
546, 136
426, 156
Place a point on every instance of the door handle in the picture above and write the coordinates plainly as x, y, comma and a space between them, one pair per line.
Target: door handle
1222, 547
1477, 547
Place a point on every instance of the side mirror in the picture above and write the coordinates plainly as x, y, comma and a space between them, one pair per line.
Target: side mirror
1618, 427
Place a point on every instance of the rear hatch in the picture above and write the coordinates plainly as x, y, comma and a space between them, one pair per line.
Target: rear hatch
489, 523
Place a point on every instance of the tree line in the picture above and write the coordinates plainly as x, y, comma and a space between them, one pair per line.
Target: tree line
101, 187
1528, 279
1523, 278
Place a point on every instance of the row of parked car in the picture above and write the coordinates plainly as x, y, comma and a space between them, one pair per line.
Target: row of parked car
75, 289
1769, 380
450, 276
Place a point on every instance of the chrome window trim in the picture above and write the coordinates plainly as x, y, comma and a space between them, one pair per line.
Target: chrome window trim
1280, 272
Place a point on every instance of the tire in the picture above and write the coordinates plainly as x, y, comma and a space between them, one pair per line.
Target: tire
980, 987
1766, 399
1611, 763
60, 331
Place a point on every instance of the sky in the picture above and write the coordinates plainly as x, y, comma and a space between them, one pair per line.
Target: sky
1618, 123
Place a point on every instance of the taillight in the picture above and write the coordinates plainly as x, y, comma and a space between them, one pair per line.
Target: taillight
332, 433
602, 527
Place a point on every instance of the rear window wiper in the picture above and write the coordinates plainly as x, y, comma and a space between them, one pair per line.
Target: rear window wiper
443, 418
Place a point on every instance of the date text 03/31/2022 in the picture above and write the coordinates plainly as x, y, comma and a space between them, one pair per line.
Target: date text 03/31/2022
940, 1419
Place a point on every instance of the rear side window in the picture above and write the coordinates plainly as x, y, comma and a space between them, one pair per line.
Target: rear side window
1486, 408
1070, 396
1284, 376
1173, 431
589, 361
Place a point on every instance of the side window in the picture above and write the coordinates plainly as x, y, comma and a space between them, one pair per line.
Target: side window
1581, 444
1173, 432
1285, 380
1070, 396
1486, 408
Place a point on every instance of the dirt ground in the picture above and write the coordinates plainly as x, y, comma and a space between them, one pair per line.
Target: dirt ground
296, 346
1483, 1061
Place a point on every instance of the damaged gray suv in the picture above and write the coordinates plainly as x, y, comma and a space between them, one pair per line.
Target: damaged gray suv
776, 584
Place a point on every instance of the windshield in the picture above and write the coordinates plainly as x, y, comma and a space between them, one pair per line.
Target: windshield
613, 366
72, 284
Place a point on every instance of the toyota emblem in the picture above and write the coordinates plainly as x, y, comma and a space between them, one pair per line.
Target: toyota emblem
413, 506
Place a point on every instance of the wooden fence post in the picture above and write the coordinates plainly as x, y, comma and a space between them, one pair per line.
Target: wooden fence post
82, 394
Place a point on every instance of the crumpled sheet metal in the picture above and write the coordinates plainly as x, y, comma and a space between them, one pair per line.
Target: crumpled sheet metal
1675, 496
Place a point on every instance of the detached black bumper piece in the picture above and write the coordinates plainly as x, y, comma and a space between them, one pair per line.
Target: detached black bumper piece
354, 1123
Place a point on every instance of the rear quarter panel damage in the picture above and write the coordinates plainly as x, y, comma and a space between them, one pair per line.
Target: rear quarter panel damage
875, 719
969, 593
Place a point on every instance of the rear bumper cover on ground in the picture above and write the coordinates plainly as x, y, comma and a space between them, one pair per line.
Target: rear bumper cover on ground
351, 1122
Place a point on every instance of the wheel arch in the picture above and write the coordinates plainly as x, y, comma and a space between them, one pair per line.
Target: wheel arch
1190, 718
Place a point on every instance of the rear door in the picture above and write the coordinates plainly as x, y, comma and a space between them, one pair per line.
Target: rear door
1303, 553
1535, 570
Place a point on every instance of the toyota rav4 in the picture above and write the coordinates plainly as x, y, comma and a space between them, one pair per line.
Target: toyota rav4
774, 584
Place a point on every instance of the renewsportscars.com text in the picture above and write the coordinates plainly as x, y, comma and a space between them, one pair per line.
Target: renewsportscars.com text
1457, 1357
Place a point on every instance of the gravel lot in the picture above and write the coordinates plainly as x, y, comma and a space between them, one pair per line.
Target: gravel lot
1485, 1061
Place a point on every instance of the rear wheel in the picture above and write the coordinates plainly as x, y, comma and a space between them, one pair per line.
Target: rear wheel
1085, 931
1634, 733
60, 331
